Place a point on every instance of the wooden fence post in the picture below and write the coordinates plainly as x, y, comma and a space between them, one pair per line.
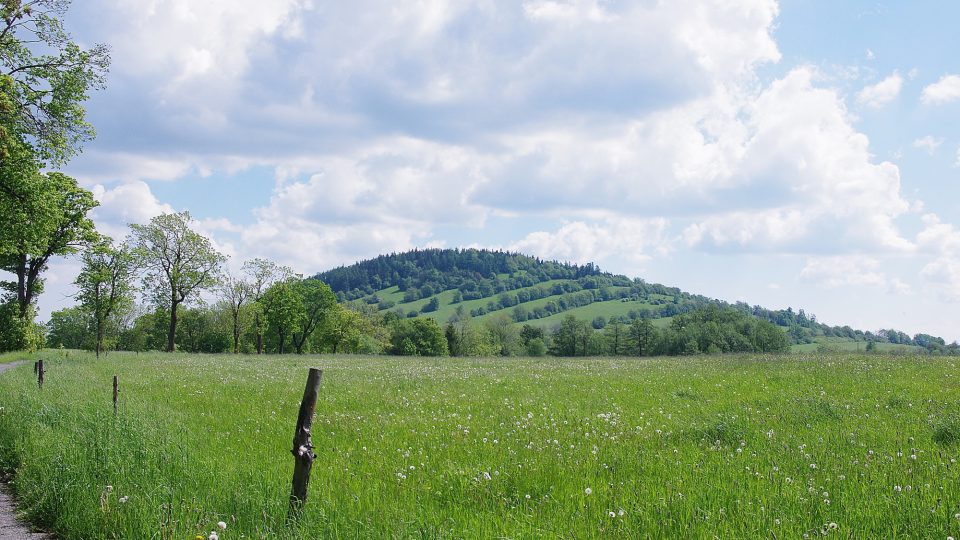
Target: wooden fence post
303, 455
35, 364
40, 374
116, 392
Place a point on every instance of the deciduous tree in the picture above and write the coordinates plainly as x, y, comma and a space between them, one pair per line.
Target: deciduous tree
45, 77
318, 302
235, 293
283, 310
105, 284
50, 219
179, 263
261, 275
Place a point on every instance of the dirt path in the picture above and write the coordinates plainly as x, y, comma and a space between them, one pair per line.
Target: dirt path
10, 527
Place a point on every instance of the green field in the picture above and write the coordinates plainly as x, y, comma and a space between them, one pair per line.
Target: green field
847, 445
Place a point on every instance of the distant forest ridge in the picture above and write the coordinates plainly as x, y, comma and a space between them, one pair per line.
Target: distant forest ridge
530, 289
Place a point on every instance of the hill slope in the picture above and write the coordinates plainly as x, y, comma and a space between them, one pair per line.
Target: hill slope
436, 283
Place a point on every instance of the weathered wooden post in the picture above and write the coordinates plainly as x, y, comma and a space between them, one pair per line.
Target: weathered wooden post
116, 392
40, 373
303, 455
35, 364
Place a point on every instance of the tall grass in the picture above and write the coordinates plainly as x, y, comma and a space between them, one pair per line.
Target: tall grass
704, 447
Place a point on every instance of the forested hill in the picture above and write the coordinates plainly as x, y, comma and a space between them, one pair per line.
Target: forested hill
442, 283
442, 269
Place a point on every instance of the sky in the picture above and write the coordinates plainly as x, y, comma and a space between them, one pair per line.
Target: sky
802, 153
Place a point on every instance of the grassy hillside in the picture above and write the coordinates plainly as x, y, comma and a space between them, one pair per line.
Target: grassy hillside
435, 283
852, 446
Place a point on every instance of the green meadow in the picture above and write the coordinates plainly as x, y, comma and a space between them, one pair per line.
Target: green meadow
803, 445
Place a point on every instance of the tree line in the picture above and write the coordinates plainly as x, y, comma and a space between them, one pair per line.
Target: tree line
192, 303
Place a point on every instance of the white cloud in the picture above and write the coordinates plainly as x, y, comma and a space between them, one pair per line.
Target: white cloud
850, 270
197, 46
882, 93
399, 118
938, 237
827, 192
383, 198
127, 203
581, 242
945, 90
943, 276
761, 230
942, 241
929, 143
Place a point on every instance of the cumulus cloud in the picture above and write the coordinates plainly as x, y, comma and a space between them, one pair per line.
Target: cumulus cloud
829, 192
882, 93
929, 143
382, 198
580, 242
943, 276
850, 270
127, 203
945, 90
938, 237
385, 121
196, 45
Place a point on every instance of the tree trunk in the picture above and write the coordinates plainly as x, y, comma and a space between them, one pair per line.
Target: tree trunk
22, 286
281, 336
99, 345
236, 337
256, 324
172, 333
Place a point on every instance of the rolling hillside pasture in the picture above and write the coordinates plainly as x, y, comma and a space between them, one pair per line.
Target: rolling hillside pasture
485, 278
616, 307
607, 309
840, 445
